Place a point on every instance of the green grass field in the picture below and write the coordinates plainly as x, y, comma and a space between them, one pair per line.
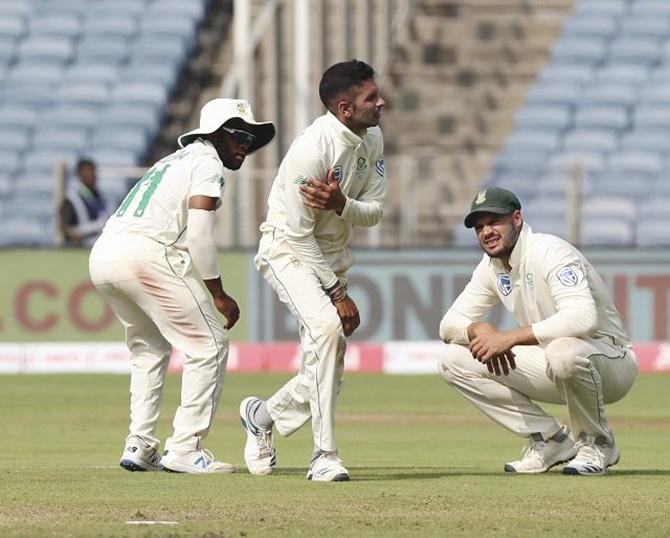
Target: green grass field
423, 463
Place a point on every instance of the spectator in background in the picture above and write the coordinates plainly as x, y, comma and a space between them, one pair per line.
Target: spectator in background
84, 211
570, 347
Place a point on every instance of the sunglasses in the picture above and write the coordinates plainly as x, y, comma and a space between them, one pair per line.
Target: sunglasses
241, 137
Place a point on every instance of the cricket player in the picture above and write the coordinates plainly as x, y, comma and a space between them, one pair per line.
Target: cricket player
570, 346
331, 180
150, 262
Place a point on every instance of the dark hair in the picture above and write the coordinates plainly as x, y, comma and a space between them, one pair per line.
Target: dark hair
341, 77
84, 162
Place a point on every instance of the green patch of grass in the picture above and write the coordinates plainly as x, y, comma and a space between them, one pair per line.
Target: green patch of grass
423, 462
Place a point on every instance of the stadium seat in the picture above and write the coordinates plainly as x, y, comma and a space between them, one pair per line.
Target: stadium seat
635, 164
608, 118
589, 161
16, 9
64, 7
150, 50
652, 232
558, 183
93, 73
652, 116
649, 8
590, 140
9, 161
23, 74
611, 94
542, 206
164, 74
554, 118
46, 49
69, 116
12, 117
169, 28
589, 26
107, 50
84, 95
55, 25
50, 138
598, 8
655, 208
117, 157
7, 50
142, 94
520, 162
656, 94
522, 186
464, 237
622, 74
606, 232
29, 96
44, 161
177, 9
23, 231
553, 94
589, 51
532, 140
645, 27
566, 74
124, 138
614, 185
554, 225
634, 50
6, 188
14, 139
604, 207
111, 26
11, 27
654, 140
121, 115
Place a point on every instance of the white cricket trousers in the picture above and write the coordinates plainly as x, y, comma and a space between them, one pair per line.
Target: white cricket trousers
161, 304
583, 373
312, 393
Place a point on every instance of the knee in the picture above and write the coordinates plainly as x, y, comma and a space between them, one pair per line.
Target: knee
330, 329
561, 355
453, 360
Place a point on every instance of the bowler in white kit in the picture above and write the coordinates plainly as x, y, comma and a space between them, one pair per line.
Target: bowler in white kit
150, 264
331, 180
570, 346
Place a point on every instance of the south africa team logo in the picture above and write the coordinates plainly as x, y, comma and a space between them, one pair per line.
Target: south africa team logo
379, 165
568, 276
504, 284
337, 173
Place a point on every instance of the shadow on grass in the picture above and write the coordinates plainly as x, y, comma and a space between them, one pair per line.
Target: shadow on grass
376, 474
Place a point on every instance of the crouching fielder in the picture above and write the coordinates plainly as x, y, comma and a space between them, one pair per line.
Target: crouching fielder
570, 347
143, 265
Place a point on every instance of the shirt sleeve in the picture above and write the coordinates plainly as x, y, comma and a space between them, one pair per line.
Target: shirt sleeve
368, 208
576, 314
470, 306
302, 162
207, 177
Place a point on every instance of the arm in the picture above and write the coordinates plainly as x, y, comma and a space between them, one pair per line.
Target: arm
302, 162
576, 313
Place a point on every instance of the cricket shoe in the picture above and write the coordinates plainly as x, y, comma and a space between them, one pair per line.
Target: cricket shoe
593, 457
194, 462
138, 456
327, 467
539, 455
259, 450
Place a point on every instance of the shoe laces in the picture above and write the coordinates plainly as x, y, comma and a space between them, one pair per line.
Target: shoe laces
589, 452
264, 439
207, 455
534, 449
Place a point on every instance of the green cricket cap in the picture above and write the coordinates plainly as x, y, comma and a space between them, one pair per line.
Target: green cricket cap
492, 200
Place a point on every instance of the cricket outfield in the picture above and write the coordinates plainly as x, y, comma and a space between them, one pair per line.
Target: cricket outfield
423, 463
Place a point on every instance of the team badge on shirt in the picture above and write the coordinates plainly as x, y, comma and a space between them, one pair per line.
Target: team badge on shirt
568, 276
504, 284
337, 172
379, 165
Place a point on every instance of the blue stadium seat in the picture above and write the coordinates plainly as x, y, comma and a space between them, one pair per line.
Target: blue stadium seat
47, 50
116, 157
14, 139
635, 164
177, 9
552, 93
122, 115
590, 162
69, 116
6, 188
656, 94
652, 116
9, 161
104, 73
55, 25
606, 232
520, 162
598, 8
111, 26
622, 74
12, 27
151, 50
109, 50
659, 8
558, 183
634, 50
7, 50
164, 74
655, 140
566, 74
645, 27
125, 138
169, 28
609, 118
15, 9
555, 118
70, 139
652, 232
655, 208
84, 95
611, 94
65, 7
43, 161
22, 231
592, 140
464, 237
18, 118
118, 8
22, 74
601, 207
141, 93
522, 186
585, 50
542, 206
37, 96
603, 27
532, 140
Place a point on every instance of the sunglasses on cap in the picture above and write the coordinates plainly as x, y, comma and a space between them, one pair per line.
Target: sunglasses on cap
242, 138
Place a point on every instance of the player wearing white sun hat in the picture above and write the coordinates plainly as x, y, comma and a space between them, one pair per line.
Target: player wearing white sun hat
570, 346
149, 263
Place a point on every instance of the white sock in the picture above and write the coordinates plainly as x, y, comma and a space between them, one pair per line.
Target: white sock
262, 418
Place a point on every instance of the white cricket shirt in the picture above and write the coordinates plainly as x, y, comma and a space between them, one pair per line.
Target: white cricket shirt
157, 206
552, 287
319, 237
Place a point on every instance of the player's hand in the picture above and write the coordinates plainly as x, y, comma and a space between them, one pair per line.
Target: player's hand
489, 344
502, 364
323, 195
228, 307
349, 316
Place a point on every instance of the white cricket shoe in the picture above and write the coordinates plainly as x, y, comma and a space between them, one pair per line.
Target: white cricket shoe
327, 467
539, 455
593, 458
138, 456
195, 462
259, 450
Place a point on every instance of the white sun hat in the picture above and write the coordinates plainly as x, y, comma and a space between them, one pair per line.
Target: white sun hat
218, 111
